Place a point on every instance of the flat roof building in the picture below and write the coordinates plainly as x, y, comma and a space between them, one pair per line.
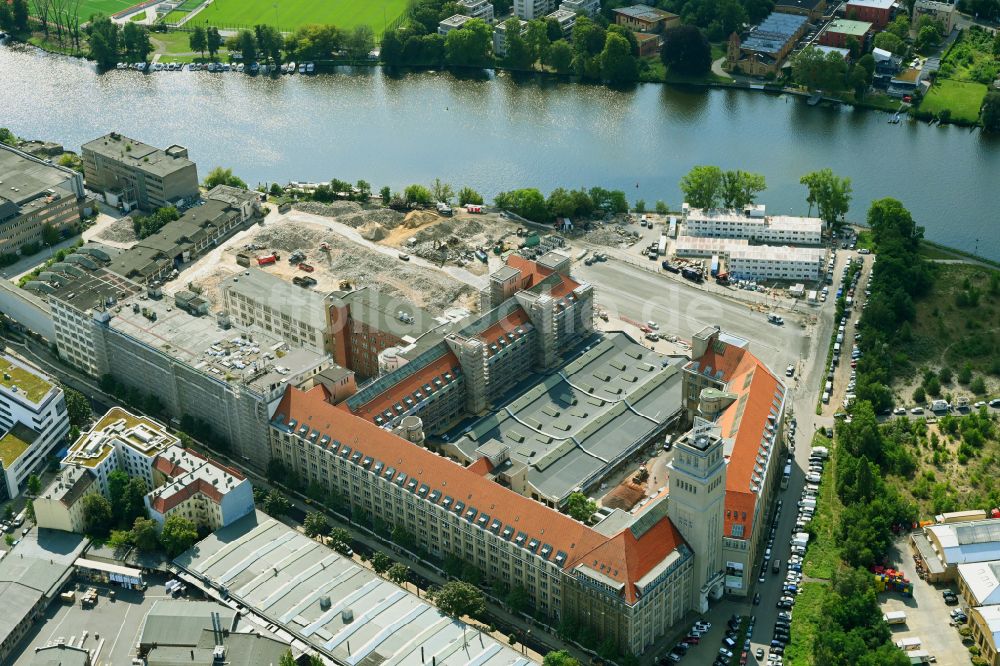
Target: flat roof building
477, 9
767, 45
752, 224
840, 30
137, 174
767, 262
945, 547
34, 195
453, 22
876, 12
338, 608
33, 422
28, 584
643, 18
533, 9
985, 624
979, 583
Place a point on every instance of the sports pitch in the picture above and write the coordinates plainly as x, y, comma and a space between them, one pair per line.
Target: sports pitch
287, 15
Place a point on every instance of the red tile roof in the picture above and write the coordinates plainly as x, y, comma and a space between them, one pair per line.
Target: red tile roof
516, 318
405, 388
532, 273
631, 558
482, 467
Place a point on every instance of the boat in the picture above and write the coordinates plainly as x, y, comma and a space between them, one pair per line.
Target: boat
226, 67
291, 67
211, 67
310, 68
253, 68
814, 99
264, 69
240, 67
122, 65
302, 68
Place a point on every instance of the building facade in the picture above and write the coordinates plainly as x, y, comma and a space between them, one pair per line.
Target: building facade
478, 9
500, 37
752, 224
876, 12
33, 423
140, 175
841, 30
453, 22
643, 18
939, 11
204, 491
766, 262
530, 10
35, 195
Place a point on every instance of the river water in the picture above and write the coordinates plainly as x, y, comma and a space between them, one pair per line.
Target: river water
497, 133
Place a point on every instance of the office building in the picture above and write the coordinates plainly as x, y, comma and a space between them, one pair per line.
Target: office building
876, 12
642, 18
202, 368
35, 195
753, 224
33, 423
726, 385
767, 45
838, 32
132, 174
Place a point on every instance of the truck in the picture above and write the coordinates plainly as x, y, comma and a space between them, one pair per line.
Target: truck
661, 247
267, 259
775, 319
940, 406
908, 644
715, 265
921, 657
692, 274
786, 475
722, 279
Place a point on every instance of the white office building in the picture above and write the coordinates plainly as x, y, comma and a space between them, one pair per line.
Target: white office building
33, 421
766, 262
753, 223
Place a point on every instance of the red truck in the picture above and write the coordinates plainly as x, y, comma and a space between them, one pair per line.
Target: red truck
267, 259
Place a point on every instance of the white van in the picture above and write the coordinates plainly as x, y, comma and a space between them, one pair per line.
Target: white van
826, 397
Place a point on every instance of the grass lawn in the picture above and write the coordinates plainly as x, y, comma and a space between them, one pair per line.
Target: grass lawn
174, 17
291, 14
107, 7
865, 240
962, 98
822, 554
807, 621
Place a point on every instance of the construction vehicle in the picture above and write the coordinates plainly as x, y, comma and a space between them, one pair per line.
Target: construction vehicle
324, 246
345, 285
267, 259
243, 259
296, 257
641, 475
306, 267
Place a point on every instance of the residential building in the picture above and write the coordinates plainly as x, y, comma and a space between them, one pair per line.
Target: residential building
727, 385
753, 224
985, 624
588, 7
643, 18
767, 45
334, 607
258, 298
811, 9
203, 633
35, 194
204, 491
768, 262
33, 422
477, 9
946, 12
876, 12
533, 9
137, 175
838, 32
201, 228
904, 83
566, 20
202, 368
181, 481
629, 580
500, 37
453, 22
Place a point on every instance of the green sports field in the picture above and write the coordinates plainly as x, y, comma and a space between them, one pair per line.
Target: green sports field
107, 7
287, 15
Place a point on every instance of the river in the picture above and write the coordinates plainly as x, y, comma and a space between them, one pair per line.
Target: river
496, 133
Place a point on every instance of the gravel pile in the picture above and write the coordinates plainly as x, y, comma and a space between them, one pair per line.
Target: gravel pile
119, 231
352, 213
612, 235
289, 237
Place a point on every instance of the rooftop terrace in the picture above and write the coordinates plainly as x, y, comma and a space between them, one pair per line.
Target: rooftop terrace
119, 428
14, 443
29, 383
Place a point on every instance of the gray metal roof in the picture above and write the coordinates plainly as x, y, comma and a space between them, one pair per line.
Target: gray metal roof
61, 655
771, 35
137, 155
241, 648
281, 296
181, 623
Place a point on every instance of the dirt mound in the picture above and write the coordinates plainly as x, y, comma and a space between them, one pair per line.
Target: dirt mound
373, 232
624, 497
418, 218
119, 231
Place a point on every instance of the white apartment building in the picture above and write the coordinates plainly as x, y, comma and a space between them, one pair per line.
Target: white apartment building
588, 7
500, 37
452, 23
752, 224
33, 421
765, 262
530, 10
480, 9
566, 20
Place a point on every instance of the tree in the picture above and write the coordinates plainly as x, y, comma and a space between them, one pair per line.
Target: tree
740, 188
978, 385
213, 40
640, 206
528, 203
519, 52
340, 539
418, 194
287, 659
246, 42
77, 407
459, 599
919, 395
316, 525
589, 41
386, 195
580, 507
360, 41
560, 658
7, 137
887, 41
965, 374
830, 194
197, 40
518, 599
867, 62
104, 42
661, 207
6, 17
560, 57
221, 176
34, 484
442, 191
536, 37
398, 573
819, 71
132, 504
135, 41
470, 46
990, 111
702, 187
467, 195
381, 563
618, 65
686, 51
144, 534
19, 12
97, 514
276, 504
928, 37
120, 539
178, 535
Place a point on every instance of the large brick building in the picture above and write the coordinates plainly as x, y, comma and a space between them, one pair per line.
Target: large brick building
876, 12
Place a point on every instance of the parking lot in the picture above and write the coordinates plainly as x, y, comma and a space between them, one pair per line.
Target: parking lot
109, 630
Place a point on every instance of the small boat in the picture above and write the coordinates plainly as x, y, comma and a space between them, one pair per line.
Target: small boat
253, 68
302, 68
291, 67
226, 67
264, 69
211, 66
310, 68
157, 67
122, 65
240, 67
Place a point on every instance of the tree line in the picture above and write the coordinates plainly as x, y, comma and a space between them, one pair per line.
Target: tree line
14, 16
111, 43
